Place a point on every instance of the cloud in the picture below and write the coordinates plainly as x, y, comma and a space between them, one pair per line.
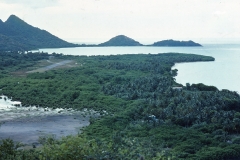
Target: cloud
136, 18
32, 3
219, 13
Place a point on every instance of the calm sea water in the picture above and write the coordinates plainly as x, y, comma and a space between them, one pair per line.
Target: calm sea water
223, 73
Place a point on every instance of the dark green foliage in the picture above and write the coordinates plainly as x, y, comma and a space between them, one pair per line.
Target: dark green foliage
11, 59
7, 149
142, 114
202, 87
175, 43
15, 60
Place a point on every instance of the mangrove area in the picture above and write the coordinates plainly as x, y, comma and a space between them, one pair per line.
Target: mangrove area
143, 113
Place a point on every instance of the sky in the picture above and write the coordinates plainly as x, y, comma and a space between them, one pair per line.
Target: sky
147, 21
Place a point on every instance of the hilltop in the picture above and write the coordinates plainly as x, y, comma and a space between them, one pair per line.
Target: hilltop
15, 34
175, 43
121, 40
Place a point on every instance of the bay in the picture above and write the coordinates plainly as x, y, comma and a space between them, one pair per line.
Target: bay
222, 73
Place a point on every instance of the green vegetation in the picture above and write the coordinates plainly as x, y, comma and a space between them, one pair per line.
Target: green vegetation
14, 61
175, 43
144, 116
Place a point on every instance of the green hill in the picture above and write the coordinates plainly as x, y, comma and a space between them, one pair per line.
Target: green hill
121, 40
175, 43
15, 34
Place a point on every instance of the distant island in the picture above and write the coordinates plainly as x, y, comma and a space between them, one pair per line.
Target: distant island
15, 34
121, 40
174, 43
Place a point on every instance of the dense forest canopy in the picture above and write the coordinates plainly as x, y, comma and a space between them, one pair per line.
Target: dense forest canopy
145, 114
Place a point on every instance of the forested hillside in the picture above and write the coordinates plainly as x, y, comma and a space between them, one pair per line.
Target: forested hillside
143, 114
15, 35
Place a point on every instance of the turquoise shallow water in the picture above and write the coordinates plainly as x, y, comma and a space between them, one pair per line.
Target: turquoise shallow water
223, 72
